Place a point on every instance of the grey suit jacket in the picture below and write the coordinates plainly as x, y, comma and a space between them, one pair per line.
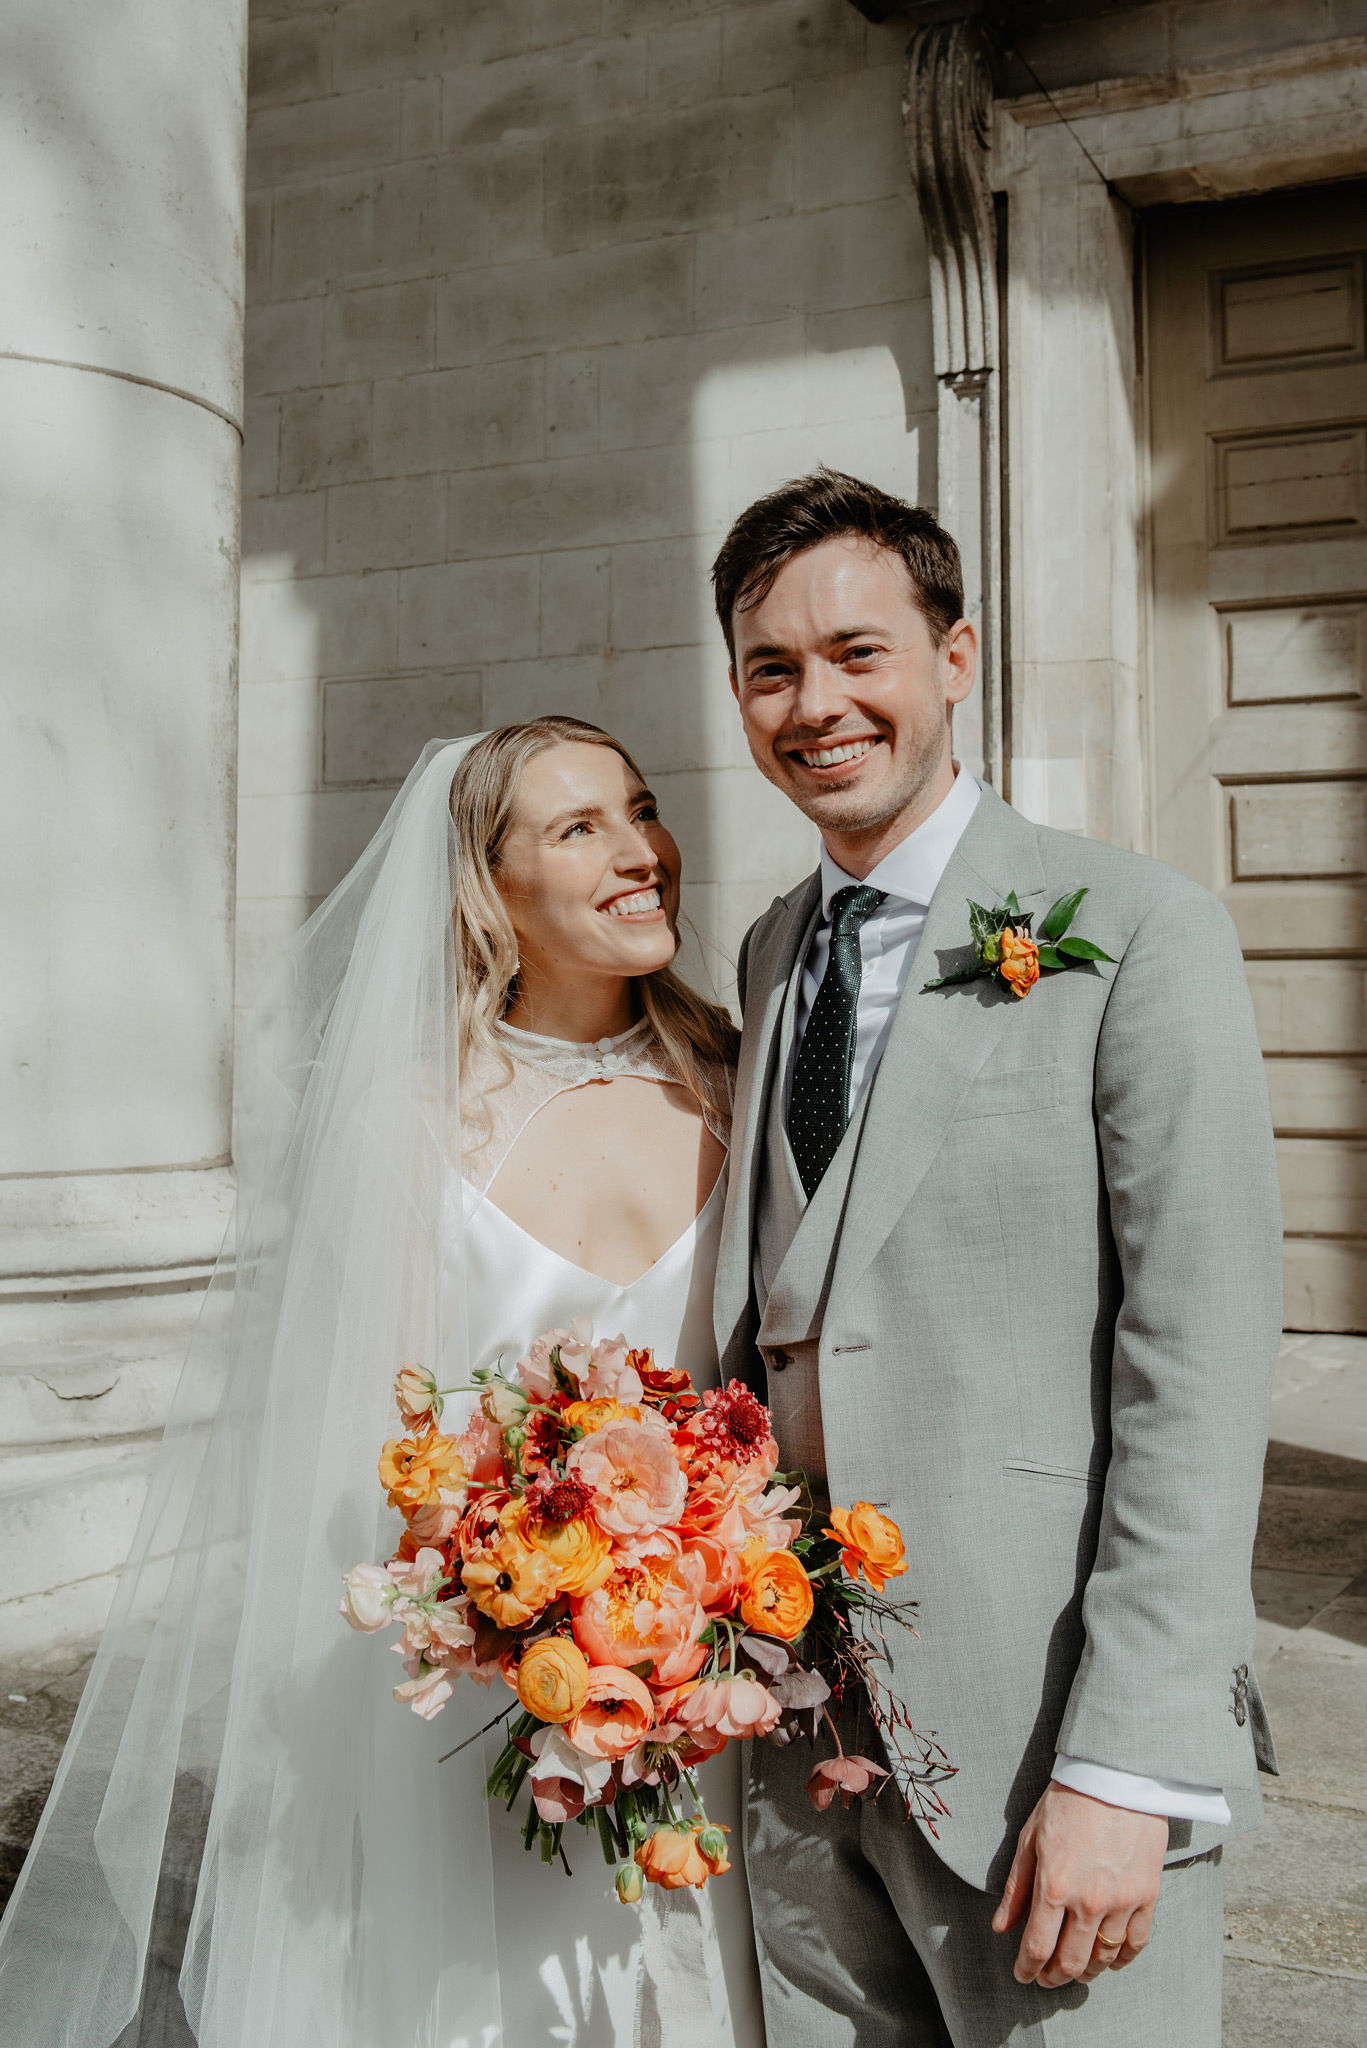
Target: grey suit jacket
1053, 1315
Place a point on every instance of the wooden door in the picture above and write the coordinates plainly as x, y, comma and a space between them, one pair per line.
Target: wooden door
1258, 408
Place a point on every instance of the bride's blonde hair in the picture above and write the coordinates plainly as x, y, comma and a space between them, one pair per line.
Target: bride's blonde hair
693, 1033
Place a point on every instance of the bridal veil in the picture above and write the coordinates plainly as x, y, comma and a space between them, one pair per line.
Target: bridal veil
240, 1801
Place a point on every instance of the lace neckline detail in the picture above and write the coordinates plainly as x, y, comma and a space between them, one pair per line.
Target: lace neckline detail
595, 1057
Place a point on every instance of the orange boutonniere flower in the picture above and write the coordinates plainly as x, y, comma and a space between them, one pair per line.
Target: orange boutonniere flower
870, 1544
1005, 949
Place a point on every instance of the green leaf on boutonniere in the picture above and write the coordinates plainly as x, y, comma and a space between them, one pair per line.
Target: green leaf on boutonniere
950, 980
1062, 915
1082, 949
981, 922
1013, 904
1050, 957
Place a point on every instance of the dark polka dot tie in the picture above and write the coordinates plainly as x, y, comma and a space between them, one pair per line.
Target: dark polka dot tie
819, 1110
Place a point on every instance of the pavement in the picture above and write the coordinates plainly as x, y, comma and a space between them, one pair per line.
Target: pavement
1296, 1919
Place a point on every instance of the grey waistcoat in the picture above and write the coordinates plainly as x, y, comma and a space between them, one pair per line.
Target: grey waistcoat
789, 1228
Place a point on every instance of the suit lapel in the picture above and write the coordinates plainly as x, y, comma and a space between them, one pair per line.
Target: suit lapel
770, 969
939, 1041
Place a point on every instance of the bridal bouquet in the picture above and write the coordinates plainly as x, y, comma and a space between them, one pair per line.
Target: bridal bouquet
623, 1552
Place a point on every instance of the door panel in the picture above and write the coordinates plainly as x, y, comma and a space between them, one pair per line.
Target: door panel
1257, 351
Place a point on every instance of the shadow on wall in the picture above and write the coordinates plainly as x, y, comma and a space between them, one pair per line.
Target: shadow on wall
566, 587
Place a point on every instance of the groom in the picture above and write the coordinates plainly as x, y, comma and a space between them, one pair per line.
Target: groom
1008, 1266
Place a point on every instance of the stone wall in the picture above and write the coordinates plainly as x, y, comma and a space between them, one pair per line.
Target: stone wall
541, 293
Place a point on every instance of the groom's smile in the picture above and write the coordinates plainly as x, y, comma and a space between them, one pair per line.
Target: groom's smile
846, 692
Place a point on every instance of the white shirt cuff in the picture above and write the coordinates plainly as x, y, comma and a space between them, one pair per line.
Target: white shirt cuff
1143, 1795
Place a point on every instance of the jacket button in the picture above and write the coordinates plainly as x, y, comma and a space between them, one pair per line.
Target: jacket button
779, 1360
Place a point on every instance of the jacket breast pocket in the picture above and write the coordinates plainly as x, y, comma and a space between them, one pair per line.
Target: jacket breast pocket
1013, 1092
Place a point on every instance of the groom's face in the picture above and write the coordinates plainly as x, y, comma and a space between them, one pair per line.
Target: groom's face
845, 695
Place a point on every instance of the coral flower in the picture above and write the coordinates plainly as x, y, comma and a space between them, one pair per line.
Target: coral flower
616, 1714
723, 1568
481, 1450
1019, 965
776, 1594
510, 1582
414, 1470
673, 1856
435, 1522
580, 1551
553, 1679
633, 1476
647, 1613
734, 1706
870, 1544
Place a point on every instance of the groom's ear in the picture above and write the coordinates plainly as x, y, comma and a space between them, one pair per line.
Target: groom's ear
959, 658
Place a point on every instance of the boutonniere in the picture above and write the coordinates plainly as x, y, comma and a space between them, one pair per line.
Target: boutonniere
1005, 949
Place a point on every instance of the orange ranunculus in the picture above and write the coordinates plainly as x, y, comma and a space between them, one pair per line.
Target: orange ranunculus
580, 1551
510, 1581
870, 1544
553, 1679
776, 1594
594, 1415
671, 1856
1019, 966
617, 1712
414, 1471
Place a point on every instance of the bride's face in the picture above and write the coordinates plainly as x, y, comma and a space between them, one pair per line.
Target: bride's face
587, 873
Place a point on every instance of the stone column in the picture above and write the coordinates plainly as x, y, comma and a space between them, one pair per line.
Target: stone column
121, 161
948, 111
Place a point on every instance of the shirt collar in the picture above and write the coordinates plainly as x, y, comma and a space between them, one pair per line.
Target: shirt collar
912, 871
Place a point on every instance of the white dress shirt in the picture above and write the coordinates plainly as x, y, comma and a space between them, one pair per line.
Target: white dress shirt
909, 877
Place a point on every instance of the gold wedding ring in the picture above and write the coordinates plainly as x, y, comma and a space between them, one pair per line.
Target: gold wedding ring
1102, 1942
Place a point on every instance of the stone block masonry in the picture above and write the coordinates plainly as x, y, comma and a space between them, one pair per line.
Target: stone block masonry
541, 293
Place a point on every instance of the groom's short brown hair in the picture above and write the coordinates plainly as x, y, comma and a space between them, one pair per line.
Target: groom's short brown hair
826, 506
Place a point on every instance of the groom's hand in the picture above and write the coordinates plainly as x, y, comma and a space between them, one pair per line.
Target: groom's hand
1082, 1868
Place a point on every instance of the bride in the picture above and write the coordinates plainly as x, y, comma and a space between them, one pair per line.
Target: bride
483, 1105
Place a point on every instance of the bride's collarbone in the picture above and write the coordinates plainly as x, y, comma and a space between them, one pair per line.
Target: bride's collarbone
611, 1175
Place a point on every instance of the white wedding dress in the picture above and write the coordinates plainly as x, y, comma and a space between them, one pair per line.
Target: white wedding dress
576, 1967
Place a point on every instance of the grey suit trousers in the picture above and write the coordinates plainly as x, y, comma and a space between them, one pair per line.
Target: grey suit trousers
868, 1940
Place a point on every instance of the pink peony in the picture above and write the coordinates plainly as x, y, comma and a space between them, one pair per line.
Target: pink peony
368, 1597
848, 1775
633, 1475
647, 1613
733, 1706
721, 1565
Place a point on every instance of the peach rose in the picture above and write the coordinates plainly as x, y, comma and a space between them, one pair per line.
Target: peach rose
416, 1470
1019, 965
617, 1712
722, 1566
579, 1550
633, 1476
553, 1678
776, 1594
870, 1544
735, 1705
419, 1403
369, 1595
